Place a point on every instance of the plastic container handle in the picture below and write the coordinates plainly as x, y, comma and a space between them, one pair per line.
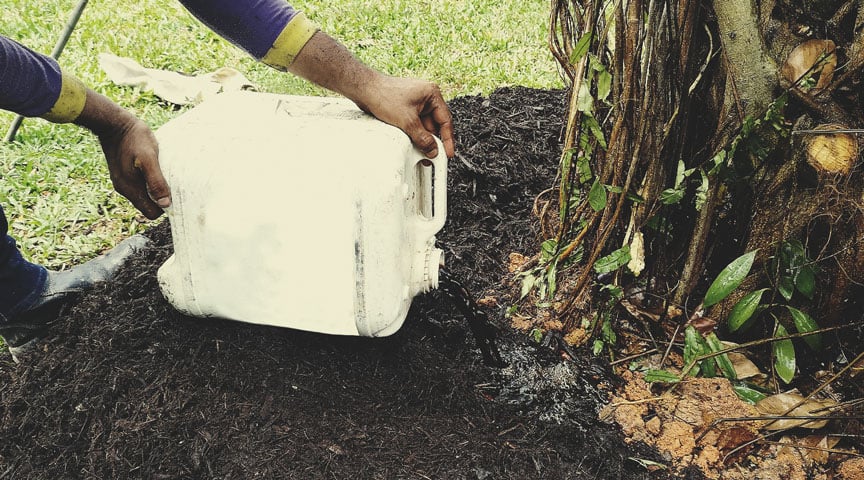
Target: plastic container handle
428, 227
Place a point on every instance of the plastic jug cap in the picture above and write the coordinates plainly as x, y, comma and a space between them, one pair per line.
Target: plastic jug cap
434, 261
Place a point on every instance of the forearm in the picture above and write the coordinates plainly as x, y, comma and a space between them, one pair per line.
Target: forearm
414, 106
327, 63
273, 32
103, 117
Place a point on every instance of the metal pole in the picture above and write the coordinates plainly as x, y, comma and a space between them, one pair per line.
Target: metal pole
55, 54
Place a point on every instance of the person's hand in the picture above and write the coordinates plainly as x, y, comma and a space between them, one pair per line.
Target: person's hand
417, 108
133, 161
132, 154
414, 106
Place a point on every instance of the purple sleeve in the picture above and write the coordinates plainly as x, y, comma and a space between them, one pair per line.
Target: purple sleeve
252, 25
29, 82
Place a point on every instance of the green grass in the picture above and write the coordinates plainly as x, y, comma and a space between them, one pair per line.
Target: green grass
55, 186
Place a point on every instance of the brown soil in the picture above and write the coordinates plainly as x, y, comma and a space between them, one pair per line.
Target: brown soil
689, 427
126, 388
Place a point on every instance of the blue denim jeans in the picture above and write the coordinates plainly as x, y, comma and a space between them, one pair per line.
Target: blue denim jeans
21, 282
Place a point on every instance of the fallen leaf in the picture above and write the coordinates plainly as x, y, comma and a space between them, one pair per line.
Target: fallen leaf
811, 447
732, 438
674, 312
820, 444
744, 367
521, 322
336, 450
637, 254
816, 58
577, 336
517, 260
702, 324
637, 312
488, 301
780, 403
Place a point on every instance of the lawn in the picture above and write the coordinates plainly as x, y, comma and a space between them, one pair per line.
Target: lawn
55, 186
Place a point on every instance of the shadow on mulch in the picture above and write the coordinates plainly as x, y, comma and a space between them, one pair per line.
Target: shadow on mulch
127, 388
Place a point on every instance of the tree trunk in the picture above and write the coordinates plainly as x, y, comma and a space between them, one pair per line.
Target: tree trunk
754, 183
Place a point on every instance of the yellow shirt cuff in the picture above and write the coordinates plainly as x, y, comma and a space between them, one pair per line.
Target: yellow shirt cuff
289, 43
70, 103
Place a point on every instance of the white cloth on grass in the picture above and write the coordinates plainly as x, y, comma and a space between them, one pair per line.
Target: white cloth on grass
174, 87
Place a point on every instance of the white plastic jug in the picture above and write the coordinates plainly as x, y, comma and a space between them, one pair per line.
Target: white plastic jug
299, 212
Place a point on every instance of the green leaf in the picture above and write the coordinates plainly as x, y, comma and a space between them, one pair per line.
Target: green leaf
541, 288
659, 224
597, 347
548, 249
749, 395
583, 169
747, 126
702, 191
661, 376
594, 127
585, 141
615, 292
567, 164
613, 261
570, 198
744, 310
575, 257
795, 271
597, 196
804, 323
784, 355
584, 100
805, 281
581, 48
692, 348
718, 160
528, 283
552, 279
671, 196
607, 332
794, 253
635, 198
604, 84
682, 173
536, 335
722, 360
729, 278
786, 287
708, 367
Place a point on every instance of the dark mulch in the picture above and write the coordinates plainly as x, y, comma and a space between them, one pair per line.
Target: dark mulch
127, 388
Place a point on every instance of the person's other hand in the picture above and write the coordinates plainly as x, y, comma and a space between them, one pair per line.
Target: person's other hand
416, 107
131, 151
133, 161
